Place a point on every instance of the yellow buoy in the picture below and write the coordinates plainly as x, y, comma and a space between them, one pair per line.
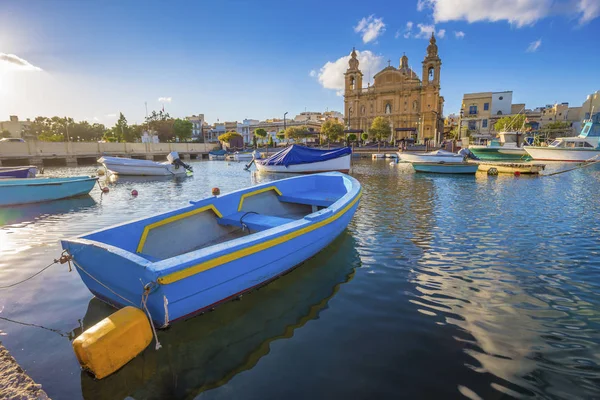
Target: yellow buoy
100, 171
113, 342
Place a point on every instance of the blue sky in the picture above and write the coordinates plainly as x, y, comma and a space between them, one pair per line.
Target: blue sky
258, 59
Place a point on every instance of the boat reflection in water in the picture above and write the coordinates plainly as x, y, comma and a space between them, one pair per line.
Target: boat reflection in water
34, 212
207, 351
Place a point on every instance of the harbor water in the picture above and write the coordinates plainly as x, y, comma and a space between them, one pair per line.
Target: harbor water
441, 287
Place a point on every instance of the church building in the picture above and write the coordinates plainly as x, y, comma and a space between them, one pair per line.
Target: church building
413, 106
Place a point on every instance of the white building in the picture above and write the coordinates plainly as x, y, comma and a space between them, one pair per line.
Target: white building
197, 122
501, 103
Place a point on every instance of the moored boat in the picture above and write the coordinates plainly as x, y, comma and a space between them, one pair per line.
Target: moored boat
246, 156
509, 146
197, 257
133, 167
578, 149
445, 168
300, 159
511, 168
36, 190
432, 157
19, 173
217, 154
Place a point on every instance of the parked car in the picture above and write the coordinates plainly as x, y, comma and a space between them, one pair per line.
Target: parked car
16, 140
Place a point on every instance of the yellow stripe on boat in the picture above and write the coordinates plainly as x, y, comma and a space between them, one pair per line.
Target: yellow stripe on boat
173, 219
215, 262
249, 194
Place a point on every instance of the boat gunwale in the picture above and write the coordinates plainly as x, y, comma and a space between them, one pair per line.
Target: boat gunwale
177, 263
66, 180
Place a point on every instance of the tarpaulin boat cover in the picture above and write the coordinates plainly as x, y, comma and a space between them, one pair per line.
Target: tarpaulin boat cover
296, 154
218, 152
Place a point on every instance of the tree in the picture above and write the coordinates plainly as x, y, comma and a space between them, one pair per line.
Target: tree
254, 141
182, 128
260, 132
270, 143
351, 138
281, 135
227, 137
5, 134
510, 123
296, 132
364, 136
162, 123
380, 129
332, 130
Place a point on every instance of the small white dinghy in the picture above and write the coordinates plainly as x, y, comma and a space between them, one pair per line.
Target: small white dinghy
432, 157
132, 167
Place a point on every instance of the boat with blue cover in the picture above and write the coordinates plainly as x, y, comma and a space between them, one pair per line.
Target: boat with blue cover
302, 160
182, 262
446, 168
36, 190
19, 173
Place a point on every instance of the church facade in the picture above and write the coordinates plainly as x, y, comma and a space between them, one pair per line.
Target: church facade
413, 106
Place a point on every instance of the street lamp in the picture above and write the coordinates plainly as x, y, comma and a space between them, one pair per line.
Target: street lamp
284, 126
462, 113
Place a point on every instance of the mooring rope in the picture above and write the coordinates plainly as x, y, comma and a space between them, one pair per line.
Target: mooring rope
63, 334
144, 298
585, 164
63, 259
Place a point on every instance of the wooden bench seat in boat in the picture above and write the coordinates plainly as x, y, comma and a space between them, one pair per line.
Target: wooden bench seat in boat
255, 222
311, 198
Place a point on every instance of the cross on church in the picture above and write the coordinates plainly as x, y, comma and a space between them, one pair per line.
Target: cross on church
389, 62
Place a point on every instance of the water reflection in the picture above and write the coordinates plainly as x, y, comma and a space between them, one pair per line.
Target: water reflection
33, 212
207, 351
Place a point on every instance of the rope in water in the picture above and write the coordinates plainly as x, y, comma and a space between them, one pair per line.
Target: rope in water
63, 259
63, 334
585, 164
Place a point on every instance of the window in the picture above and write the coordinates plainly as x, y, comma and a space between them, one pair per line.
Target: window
472, 110
362, 110
430, 74
388, 108
486, 106
472, 125
587, 145
499, 113
500, 98
352, 83
586, 130
484, 123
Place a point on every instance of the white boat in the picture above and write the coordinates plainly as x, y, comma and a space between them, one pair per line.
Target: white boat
217, 155
577, 149
432, 157
244, 156
129, 166
303, 160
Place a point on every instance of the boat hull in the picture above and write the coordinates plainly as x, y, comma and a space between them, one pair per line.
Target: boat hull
340, 164
144, 170
25, 191
191, 282
423, 158
493, 154
511, 168
561, 154
446, 168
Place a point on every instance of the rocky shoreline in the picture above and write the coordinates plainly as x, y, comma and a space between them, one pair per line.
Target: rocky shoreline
14, 382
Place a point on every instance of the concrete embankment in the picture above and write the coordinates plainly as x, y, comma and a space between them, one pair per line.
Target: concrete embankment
14, 382
74, 153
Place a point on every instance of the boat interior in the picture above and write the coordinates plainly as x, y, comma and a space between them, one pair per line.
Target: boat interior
217, 220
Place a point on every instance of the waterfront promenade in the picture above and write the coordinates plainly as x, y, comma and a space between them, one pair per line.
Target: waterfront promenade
75, 153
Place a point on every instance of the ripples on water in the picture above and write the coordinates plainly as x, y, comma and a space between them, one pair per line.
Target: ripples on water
442, 287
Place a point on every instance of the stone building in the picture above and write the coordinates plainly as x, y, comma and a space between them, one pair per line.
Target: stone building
413, 106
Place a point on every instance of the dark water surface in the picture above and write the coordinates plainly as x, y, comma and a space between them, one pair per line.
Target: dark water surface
441, 287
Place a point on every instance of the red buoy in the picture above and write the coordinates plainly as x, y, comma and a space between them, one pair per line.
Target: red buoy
105, 189
134, 192
517, 173
216, 191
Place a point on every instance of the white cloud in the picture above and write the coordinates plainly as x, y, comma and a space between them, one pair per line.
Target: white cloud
312, 73
370, 28
165, 99
517, 12
424, 32
331, 75
111, 115
533, 46
459, 34
590, 9
11, 61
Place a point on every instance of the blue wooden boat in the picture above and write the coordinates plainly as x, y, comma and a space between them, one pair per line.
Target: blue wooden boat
445, 168
24, 191
185, 261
